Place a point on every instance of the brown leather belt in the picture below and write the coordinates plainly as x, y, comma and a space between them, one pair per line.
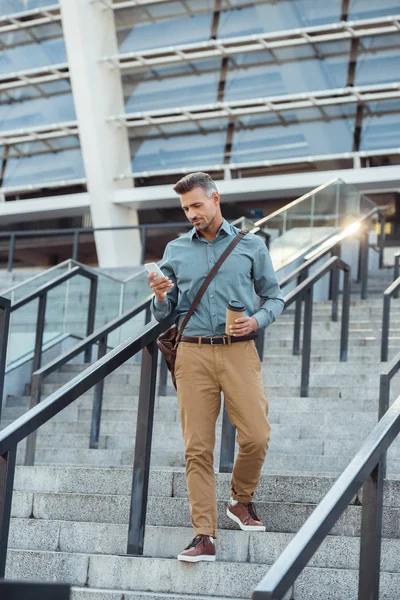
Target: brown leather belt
217, 340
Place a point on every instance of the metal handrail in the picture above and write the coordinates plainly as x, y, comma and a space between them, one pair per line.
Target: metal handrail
283, 209
367, 469
303, 290
99, 336
396, 272
7, 309
76, 232
332, 245
41, 413
387, 296
5, 306
41, 294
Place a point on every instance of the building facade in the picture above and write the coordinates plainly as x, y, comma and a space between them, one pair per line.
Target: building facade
104, 104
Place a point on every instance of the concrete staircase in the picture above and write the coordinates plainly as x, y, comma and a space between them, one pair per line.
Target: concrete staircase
70, 511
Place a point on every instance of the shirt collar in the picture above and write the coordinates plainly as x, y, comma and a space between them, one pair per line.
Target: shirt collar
224, 227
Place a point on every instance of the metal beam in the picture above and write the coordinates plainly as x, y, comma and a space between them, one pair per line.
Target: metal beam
143, 3
30, 18
43, 132
345, 10
352, 66
305, 160
261, 105
33, 77
146, 59
39, 186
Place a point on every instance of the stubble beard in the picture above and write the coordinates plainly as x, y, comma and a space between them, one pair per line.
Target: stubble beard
207, 224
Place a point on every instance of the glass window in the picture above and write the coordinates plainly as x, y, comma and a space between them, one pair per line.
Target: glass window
36, 112
278, 16
8, 7
146, 92
19, 94
190, 149
378, 60
29, 56
157, 34
247, 76
381, 130
296, 140
43, 168
362, 9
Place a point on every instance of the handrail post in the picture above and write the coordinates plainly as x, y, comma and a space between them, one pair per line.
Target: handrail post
97, 399
163, 378
306, 357
382, 239
334, 286
336, 251
371, 534
227, 452
141, 463
40, 324
364, 264
91, 315
36, 395
384, 394
75, 247
385, 328
297, 315
4, 328
143, 239
344, 334
396, 273
7, 471
11, 252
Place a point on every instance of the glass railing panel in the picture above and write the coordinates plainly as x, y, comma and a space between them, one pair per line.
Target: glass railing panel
22, 332
136, 290
24, 288
313, 219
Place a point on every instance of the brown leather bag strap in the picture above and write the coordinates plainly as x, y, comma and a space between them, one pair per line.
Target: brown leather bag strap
207, 281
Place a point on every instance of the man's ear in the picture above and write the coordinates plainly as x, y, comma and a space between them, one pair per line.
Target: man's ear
216, 197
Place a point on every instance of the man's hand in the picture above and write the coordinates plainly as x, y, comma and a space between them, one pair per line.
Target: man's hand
160, 286
244, 326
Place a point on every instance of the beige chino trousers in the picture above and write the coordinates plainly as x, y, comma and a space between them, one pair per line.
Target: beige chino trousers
202, 372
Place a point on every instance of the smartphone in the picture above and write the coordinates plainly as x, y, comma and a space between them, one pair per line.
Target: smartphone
154, 268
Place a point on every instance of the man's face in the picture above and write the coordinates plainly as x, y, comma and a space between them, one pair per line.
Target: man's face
200, 209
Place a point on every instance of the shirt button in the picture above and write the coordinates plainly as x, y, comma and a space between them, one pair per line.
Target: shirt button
212, 295
213, 314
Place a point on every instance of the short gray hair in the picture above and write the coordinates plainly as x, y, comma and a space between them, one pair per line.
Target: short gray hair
193, 180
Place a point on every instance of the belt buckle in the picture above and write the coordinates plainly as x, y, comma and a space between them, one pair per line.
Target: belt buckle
218, 337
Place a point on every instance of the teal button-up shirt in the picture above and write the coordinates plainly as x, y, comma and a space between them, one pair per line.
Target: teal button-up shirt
187, 261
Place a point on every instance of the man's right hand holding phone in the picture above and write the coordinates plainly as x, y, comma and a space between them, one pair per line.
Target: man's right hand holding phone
160, 286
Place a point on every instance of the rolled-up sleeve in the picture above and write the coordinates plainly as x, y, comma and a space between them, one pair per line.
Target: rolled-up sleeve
161, 310
266, 285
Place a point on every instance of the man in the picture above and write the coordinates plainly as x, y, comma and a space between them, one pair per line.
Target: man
209, 362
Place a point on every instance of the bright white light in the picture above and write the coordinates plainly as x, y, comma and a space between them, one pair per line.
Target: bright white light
335, 239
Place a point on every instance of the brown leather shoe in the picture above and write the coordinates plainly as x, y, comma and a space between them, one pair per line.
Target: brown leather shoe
200, 548
245, 516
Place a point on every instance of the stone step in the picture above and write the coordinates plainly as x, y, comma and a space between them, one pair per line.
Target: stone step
169, 576
340, 552
166, 415
277, 462
285, 517
70, 443
118, 429
349, 375
316, 391
95, 594
172, 483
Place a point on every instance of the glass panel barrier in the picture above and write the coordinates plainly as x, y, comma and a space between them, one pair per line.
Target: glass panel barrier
313, 219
